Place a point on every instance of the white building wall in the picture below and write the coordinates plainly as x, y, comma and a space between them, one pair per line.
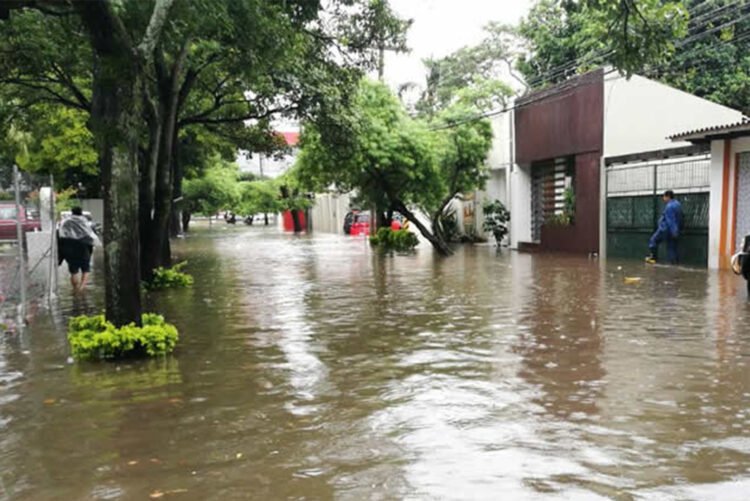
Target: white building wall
639, 115
499, 161
501, 154
520, 205
263, 165
327, 215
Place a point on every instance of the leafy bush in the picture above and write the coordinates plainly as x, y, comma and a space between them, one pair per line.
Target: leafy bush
93, 337
496, 218
169, 278
398, 240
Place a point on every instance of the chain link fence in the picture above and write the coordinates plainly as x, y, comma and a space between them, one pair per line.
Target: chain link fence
28, 246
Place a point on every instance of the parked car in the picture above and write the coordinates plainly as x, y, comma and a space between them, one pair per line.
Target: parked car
8, 221
741, 261
360, 224
348, 221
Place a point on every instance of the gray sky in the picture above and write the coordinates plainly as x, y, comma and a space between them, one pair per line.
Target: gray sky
442, 26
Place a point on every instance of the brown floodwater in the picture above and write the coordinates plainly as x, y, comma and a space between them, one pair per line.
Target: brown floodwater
312, 368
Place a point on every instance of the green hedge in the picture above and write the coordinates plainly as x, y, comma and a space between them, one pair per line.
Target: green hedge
398, 240
169, 278
93, 337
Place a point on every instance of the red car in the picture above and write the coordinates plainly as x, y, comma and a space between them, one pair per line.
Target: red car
360, 224
8, 222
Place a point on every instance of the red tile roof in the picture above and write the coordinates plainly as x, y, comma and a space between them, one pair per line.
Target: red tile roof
291, 138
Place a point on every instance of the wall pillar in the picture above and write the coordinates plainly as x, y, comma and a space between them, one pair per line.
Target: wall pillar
520, 205
723, 205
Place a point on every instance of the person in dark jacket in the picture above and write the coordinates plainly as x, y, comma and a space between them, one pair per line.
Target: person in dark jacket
670, 226
75, 242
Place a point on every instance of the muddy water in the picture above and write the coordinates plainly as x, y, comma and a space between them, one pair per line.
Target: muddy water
311, 368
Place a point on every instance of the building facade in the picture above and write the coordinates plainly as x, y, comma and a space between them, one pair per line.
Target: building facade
562, 138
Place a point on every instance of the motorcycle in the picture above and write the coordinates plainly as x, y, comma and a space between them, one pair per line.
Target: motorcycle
741, 261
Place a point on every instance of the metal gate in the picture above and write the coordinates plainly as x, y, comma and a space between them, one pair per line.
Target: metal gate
634, 205
743, 199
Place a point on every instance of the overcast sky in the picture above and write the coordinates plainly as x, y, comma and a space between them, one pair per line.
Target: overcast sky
442, 26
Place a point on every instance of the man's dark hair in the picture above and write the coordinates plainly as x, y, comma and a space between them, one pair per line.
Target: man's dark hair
669, 194
77, 211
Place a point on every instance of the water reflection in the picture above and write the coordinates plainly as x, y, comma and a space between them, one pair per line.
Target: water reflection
311, 367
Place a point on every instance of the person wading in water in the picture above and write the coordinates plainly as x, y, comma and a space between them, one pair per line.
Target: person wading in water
670, 226
76, 241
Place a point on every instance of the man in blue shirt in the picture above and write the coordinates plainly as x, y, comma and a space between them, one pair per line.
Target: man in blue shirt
670, 226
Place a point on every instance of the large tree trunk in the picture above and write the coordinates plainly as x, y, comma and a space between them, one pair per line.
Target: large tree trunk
296, 222
115, 122
186, 220
156, 250
149, 166
437, 243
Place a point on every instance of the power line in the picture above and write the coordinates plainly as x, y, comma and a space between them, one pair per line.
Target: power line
702, 20
743, 36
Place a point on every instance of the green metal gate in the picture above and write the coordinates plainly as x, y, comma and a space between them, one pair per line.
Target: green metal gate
634, 205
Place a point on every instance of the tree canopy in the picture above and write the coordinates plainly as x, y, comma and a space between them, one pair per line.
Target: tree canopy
700, 46
147, 72
395, 161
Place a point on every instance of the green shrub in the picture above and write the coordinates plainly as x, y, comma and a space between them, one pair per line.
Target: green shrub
92, 337
169, 278
496, 218
398, 240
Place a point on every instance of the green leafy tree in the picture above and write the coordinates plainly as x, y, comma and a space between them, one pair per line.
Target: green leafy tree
215, 190
479, 70
259, 196
395, 161
59, 143
464, 143
162, 66
706, 56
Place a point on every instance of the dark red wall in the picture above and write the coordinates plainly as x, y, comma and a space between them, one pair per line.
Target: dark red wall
561, 121
564, 120
583, 235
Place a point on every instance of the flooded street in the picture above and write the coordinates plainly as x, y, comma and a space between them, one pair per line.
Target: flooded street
311, 368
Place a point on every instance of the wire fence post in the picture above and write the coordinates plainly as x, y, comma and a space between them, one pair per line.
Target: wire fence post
20, 236
52, 275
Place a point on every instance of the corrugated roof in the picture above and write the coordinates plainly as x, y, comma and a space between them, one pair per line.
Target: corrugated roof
706, 132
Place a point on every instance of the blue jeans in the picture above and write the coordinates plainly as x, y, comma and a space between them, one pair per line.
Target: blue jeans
659, 237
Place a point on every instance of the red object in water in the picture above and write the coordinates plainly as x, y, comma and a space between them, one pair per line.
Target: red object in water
289, 222
361, 225
395, 225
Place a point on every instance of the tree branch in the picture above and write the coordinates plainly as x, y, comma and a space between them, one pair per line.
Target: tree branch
67, 81
57, 97
155, 28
